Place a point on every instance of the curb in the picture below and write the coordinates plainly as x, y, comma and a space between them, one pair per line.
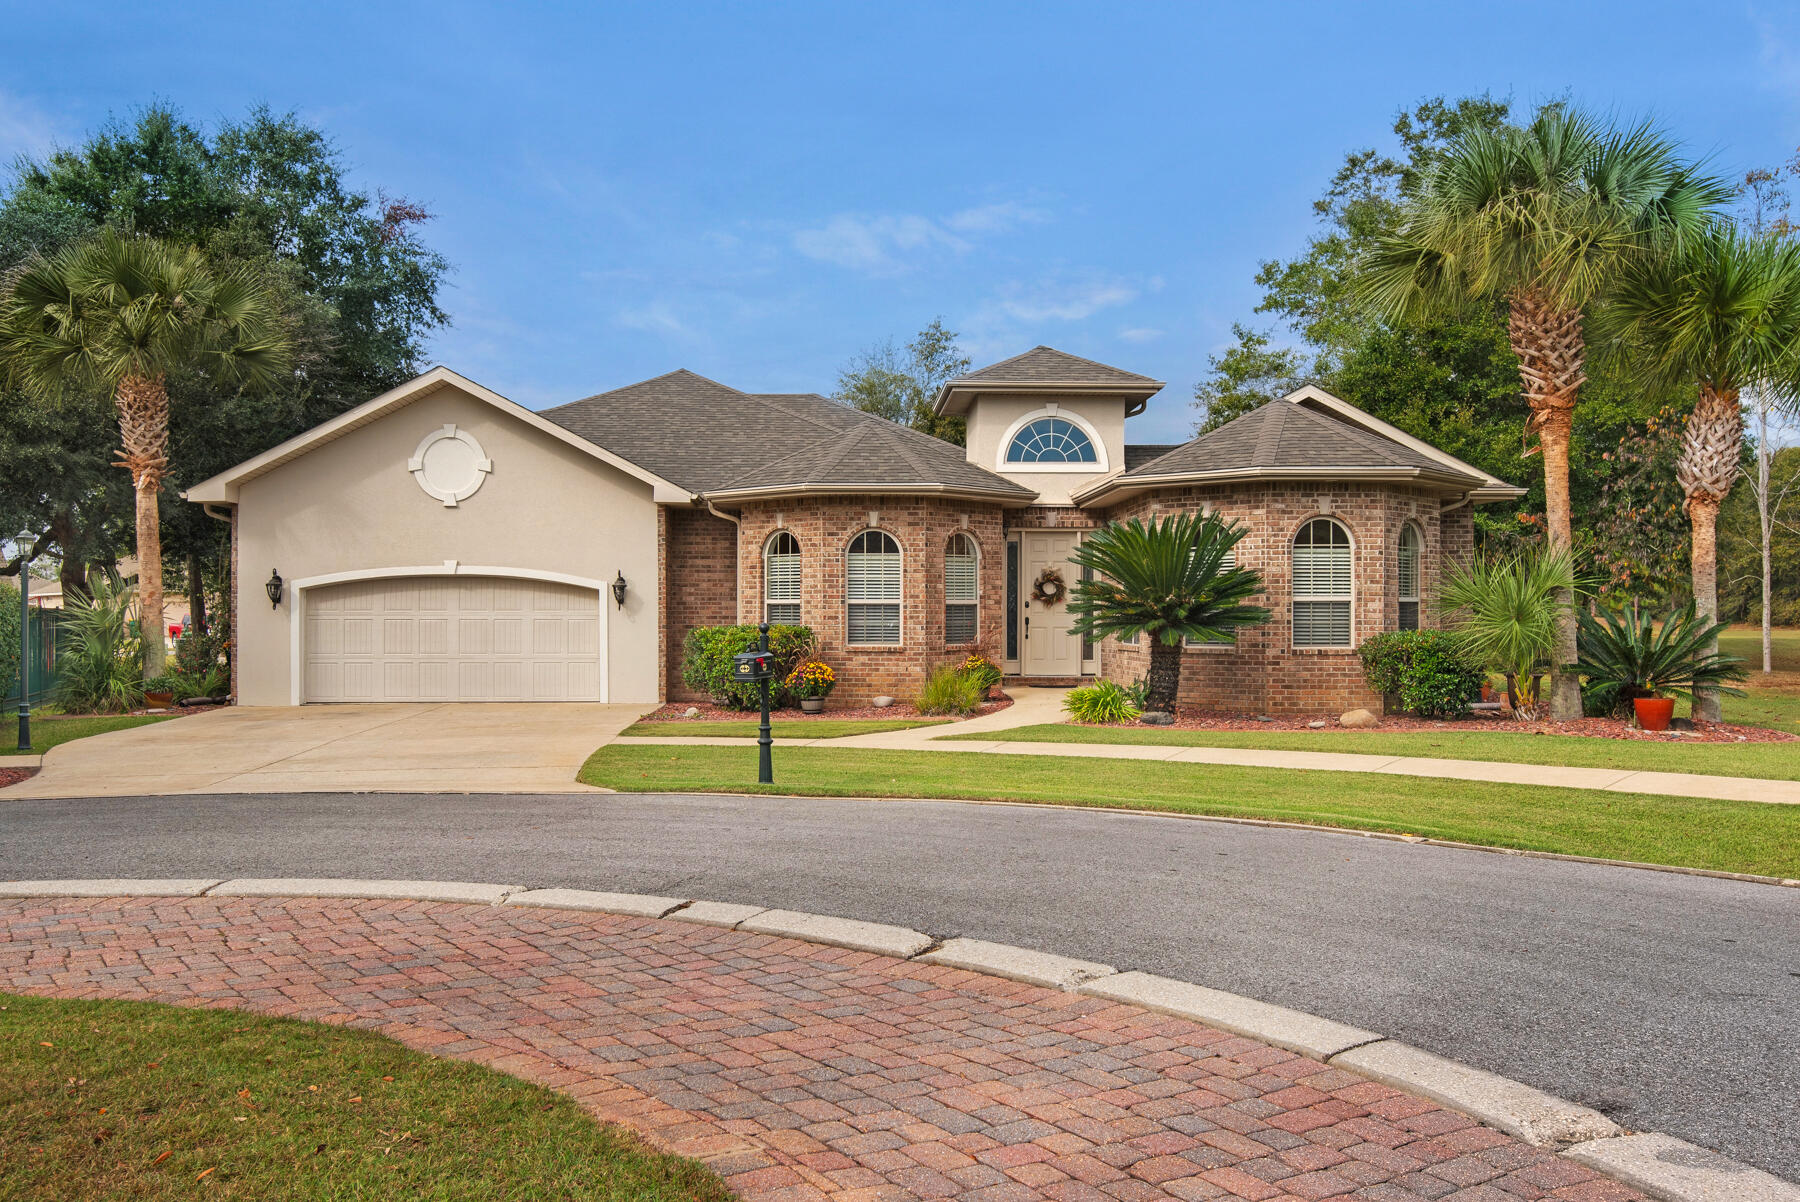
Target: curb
1660, 1165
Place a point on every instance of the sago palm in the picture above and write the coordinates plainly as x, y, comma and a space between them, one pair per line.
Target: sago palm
1505, 613
1544, 218
1168, 580
1722, 311
117, 314
1630, 655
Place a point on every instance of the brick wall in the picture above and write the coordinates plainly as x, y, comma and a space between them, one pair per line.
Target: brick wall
700, 588
824, 528
1263, 672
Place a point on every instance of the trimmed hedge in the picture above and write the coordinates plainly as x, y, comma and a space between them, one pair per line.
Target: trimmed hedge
707, 654
1428, 669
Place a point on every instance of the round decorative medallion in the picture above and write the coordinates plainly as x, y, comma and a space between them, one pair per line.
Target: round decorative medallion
1049, 587
449, 465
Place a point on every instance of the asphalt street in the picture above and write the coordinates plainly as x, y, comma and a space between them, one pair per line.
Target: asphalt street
1670, 1002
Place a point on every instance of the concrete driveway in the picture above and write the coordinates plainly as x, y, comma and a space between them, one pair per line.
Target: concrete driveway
463, 748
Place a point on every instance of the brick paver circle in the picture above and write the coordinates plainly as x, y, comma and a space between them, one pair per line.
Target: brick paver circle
799, 1071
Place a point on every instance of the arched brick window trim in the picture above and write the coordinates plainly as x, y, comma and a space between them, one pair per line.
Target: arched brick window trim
873, 589
1409, 551
781, 579
962, 589
1322, 584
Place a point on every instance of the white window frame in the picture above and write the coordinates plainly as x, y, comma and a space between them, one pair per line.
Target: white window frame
973, 601
1101, 462
770, 601
1418, 560
1345, 597
898, 600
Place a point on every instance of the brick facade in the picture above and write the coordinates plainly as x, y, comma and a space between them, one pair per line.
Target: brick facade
714, 572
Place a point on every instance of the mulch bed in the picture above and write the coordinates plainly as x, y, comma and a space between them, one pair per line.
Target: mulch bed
900, 711
12, 776
1591, 728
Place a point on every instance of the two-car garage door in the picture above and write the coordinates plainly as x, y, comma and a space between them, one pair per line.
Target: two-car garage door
451, 638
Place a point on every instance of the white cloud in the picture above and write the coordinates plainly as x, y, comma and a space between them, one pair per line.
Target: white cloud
891, 243
1779, 59
25, 129
654, 318
1140, 334
1065, 298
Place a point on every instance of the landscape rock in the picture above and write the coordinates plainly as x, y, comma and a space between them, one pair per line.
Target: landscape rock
1358, 718
692, 711
1316, 724
882, 702
1157, 718
1681, 724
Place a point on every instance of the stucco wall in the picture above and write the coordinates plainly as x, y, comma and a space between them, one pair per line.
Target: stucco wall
992, 416
351, 506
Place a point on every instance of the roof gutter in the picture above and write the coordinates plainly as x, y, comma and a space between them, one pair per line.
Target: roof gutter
949, 491
1133, 485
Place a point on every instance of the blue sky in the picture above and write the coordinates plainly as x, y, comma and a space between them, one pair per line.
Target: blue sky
758, 191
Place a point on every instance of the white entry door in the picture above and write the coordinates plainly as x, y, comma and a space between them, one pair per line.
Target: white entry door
1050, 647
451, 638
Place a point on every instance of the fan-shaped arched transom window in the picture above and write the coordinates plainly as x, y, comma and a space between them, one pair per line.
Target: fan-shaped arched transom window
1407, 565
781, 579
1051, 440
1322, 585
872, 590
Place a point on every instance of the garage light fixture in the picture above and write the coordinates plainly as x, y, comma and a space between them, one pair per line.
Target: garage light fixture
273, 588
618, 587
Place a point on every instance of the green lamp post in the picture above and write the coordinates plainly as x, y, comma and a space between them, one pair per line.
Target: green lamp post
25, 542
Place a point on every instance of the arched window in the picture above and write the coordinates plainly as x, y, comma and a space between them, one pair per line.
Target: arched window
1322, 585
1408, 571
1051, 440
872, 590
781, 579
962, 575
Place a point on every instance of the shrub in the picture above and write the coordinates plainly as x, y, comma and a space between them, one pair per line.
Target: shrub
202, 668
9, 639
982, 670
950, 691
1627, 656
100, 663
1430, 671
707, 654
1102, 701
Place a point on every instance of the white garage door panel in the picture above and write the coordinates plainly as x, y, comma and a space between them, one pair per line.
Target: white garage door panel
451, 639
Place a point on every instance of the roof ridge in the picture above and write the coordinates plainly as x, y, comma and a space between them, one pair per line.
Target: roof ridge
1268, 437
1355, 433
768, 399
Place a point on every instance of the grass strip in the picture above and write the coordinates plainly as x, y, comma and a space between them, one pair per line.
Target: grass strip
48, 732
791, 728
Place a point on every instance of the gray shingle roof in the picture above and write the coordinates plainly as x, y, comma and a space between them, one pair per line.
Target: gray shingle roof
1047, 365
1284, 435
1140, 453
710, 438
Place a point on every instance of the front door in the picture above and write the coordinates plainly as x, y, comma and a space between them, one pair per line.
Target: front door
1051, 649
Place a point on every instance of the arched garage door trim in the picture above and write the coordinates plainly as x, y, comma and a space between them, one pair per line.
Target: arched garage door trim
450, 567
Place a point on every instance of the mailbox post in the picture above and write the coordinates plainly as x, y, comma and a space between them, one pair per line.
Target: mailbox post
759, 666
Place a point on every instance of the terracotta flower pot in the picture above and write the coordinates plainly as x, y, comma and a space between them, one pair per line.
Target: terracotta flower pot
812, 705
159, 700
1654, 713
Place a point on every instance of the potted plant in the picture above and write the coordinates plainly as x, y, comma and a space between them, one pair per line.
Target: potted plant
1633, 663
159, 691
812, 681
984, 672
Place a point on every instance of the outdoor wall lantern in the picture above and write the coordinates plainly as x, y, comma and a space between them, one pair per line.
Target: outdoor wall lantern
618, 588
273, 588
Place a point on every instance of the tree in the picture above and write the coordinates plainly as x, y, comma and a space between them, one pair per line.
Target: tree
1506, 612
118, 314
1546, 218
1244, 377
1166, 579
1723, 310
903, 388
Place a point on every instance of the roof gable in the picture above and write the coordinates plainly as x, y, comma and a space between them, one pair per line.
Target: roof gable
1046, 369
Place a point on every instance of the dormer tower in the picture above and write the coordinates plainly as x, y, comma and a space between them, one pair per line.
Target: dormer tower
1052, 421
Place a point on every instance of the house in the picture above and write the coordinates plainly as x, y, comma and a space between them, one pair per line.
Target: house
441, 543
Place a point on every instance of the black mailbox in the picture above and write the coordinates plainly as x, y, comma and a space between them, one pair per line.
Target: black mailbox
752, 666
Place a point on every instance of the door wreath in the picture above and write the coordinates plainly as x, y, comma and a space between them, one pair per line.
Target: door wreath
1049, 587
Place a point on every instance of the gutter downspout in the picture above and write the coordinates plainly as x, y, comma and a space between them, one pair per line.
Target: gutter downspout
737, 577
1468, 498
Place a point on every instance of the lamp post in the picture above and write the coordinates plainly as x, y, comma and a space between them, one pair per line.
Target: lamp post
765, 740
25, 541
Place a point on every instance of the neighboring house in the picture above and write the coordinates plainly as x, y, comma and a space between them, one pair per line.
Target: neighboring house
442, 543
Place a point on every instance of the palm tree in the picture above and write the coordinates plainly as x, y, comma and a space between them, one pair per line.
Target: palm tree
1505, 612
117, 314
1544, 218
1722, 310
1173, 579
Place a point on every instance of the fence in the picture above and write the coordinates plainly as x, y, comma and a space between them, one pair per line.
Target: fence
42, 651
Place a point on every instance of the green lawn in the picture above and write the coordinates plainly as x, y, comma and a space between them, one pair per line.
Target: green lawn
1768, 761
1729, 836
149, 1102
781, 728
47, 732
1774, 700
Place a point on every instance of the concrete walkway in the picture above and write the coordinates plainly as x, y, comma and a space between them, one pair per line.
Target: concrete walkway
1033, 707
462, 748
798, 1071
